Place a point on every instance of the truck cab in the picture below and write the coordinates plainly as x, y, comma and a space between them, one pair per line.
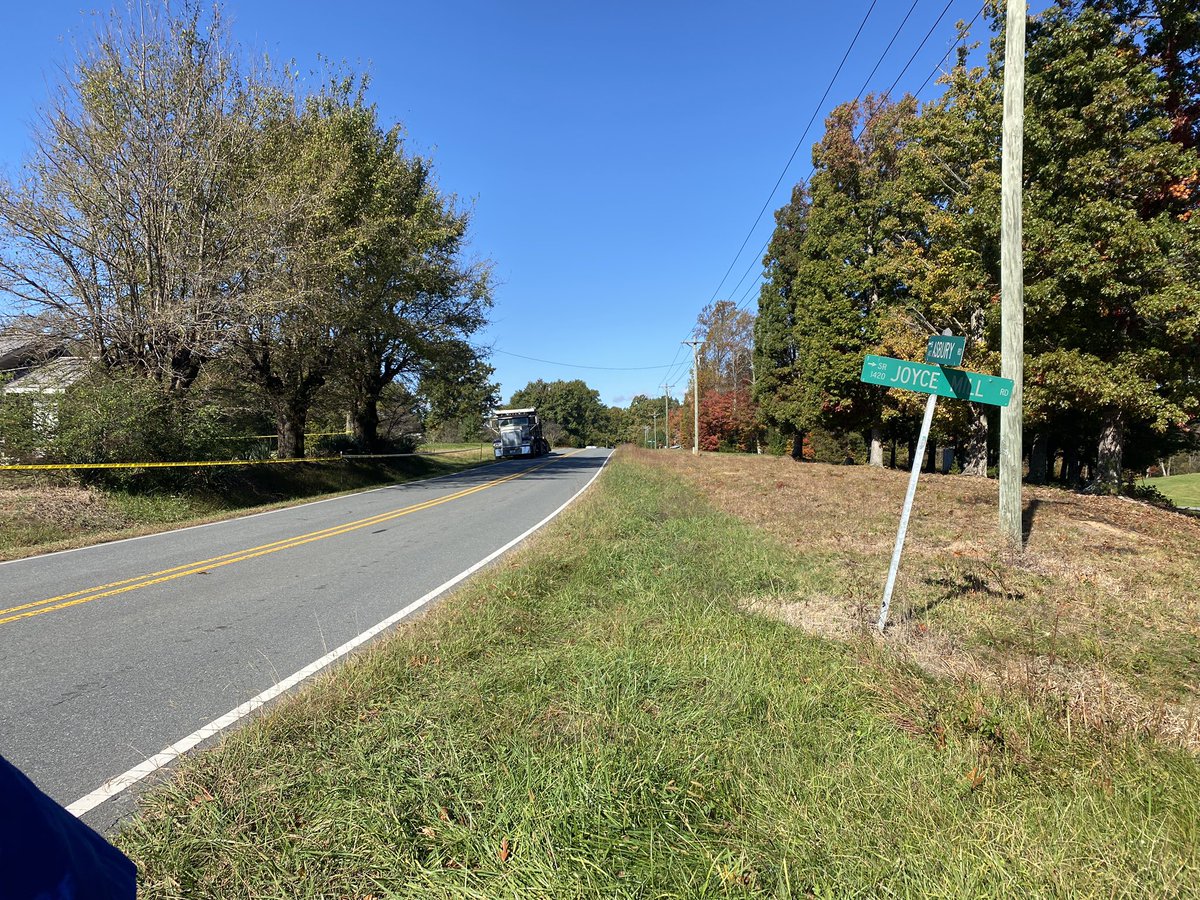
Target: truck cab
520, 433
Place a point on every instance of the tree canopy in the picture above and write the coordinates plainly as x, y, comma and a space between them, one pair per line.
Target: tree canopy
896, 236
202, 223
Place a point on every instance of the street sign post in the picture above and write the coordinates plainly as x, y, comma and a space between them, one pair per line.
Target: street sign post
937, 381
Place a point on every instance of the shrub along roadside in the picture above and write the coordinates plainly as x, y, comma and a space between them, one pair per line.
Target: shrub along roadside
601, 717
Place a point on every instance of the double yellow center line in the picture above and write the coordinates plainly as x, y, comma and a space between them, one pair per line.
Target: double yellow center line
112, 589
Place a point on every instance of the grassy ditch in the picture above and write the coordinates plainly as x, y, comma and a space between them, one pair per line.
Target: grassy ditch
605, 716
42, 512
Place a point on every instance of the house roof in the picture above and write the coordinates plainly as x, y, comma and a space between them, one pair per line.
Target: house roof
13, 346
21, 348
53, 378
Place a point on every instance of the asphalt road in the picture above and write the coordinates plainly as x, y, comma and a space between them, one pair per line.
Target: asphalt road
111, 653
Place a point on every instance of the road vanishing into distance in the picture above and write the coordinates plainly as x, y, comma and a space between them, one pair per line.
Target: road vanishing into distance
111, 654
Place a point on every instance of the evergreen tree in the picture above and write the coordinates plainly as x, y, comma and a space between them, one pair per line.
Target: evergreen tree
777, 388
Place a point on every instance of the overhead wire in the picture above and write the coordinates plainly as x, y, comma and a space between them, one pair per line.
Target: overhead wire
816, 111
552, 362
953, 47
934, 71
921, 46
866, 82
676, 364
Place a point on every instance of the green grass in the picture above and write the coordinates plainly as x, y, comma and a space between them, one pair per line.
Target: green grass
599, 717
1182, 490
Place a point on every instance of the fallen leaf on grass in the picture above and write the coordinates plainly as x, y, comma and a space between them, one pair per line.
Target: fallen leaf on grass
505, 852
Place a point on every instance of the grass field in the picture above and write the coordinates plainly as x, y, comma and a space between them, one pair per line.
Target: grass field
41, 513
1182, 490
621, 711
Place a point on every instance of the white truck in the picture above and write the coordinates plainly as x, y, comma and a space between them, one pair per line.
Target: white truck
520, 433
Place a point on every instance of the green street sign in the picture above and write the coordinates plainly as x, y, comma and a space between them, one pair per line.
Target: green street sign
945, 350
945, 382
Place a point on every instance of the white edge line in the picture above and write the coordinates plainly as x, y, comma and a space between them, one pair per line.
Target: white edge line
125, 780
265, 512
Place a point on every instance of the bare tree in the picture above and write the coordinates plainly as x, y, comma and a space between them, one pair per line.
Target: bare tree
128, 230
728, 335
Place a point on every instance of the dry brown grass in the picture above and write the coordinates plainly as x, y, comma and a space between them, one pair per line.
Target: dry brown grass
44, 514
1099, 618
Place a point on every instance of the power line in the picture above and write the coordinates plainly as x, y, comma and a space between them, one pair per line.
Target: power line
742, 302
921, 46
551, 362
863, 88
948, 52
816, 111
675, 363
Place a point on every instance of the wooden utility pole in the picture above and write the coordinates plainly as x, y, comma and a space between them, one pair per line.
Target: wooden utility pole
1012, 279
695, 396
667, 415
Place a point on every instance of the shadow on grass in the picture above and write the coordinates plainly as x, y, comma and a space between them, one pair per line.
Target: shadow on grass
1027, 518
959, 585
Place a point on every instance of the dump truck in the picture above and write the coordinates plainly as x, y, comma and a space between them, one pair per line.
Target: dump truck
520, 433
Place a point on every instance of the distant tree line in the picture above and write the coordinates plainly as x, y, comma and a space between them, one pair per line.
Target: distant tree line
896, 235
237, 251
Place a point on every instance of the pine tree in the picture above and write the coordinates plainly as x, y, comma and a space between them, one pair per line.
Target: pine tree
777, 388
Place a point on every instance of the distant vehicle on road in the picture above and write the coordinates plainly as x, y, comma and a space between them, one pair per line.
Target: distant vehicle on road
520, 433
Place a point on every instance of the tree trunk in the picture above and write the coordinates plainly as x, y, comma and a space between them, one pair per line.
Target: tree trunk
912, 451
892, 463
798, 445
875, 458
931, 455
364, 423
1109, 452
1038, 460
1070, 466
289, 425
975, 447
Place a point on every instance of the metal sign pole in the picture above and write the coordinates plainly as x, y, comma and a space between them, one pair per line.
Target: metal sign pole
918, 459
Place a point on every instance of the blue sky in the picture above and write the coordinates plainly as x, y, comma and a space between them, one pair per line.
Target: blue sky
615, 154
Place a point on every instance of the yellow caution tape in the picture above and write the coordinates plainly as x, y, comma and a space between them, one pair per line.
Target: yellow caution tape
253, 437
44, 467
167, 465
418, 453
